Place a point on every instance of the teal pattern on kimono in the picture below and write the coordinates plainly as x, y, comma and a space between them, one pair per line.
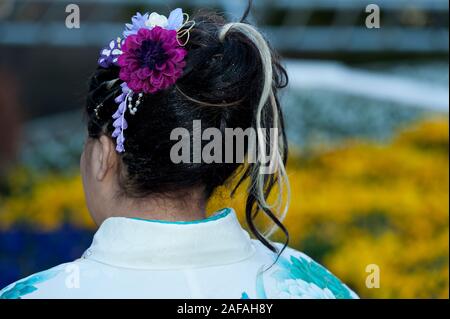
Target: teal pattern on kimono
302, 277
302, 273
245, 295
27, 285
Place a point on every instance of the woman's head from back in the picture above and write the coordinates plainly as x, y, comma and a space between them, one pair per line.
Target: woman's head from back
216, 75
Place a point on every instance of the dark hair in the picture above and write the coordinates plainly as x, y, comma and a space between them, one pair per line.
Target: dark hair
221, 85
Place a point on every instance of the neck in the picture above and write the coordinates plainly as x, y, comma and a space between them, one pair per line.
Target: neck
173, 207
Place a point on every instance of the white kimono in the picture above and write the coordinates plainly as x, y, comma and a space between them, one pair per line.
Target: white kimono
209, 258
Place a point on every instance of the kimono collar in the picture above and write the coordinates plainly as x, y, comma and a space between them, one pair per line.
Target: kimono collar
155, 244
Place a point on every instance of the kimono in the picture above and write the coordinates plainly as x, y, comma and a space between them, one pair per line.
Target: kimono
209, 258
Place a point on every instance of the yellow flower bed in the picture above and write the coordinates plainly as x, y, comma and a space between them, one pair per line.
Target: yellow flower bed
359, 204
44, 202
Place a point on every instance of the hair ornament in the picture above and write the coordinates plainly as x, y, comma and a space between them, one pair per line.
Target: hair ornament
150, 57
185, 29
96, 109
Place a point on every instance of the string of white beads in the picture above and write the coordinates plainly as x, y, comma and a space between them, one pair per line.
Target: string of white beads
132, 108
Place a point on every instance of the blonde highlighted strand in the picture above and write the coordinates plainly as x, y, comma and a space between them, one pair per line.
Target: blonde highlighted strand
267, 112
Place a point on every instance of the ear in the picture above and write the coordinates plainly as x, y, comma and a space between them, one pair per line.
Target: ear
106, 157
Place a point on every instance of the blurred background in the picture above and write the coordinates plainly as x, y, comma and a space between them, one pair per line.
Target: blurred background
367, 117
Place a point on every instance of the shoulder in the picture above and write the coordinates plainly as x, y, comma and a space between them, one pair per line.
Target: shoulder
296, 275
43, 284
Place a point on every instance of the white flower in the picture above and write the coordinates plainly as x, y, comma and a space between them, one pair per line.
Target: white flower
156, 20
300, 289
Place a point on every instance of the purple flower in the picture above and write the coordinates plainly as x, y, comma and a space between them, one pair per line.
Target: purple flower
137, 22
152, 60
120, 124
110, 53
